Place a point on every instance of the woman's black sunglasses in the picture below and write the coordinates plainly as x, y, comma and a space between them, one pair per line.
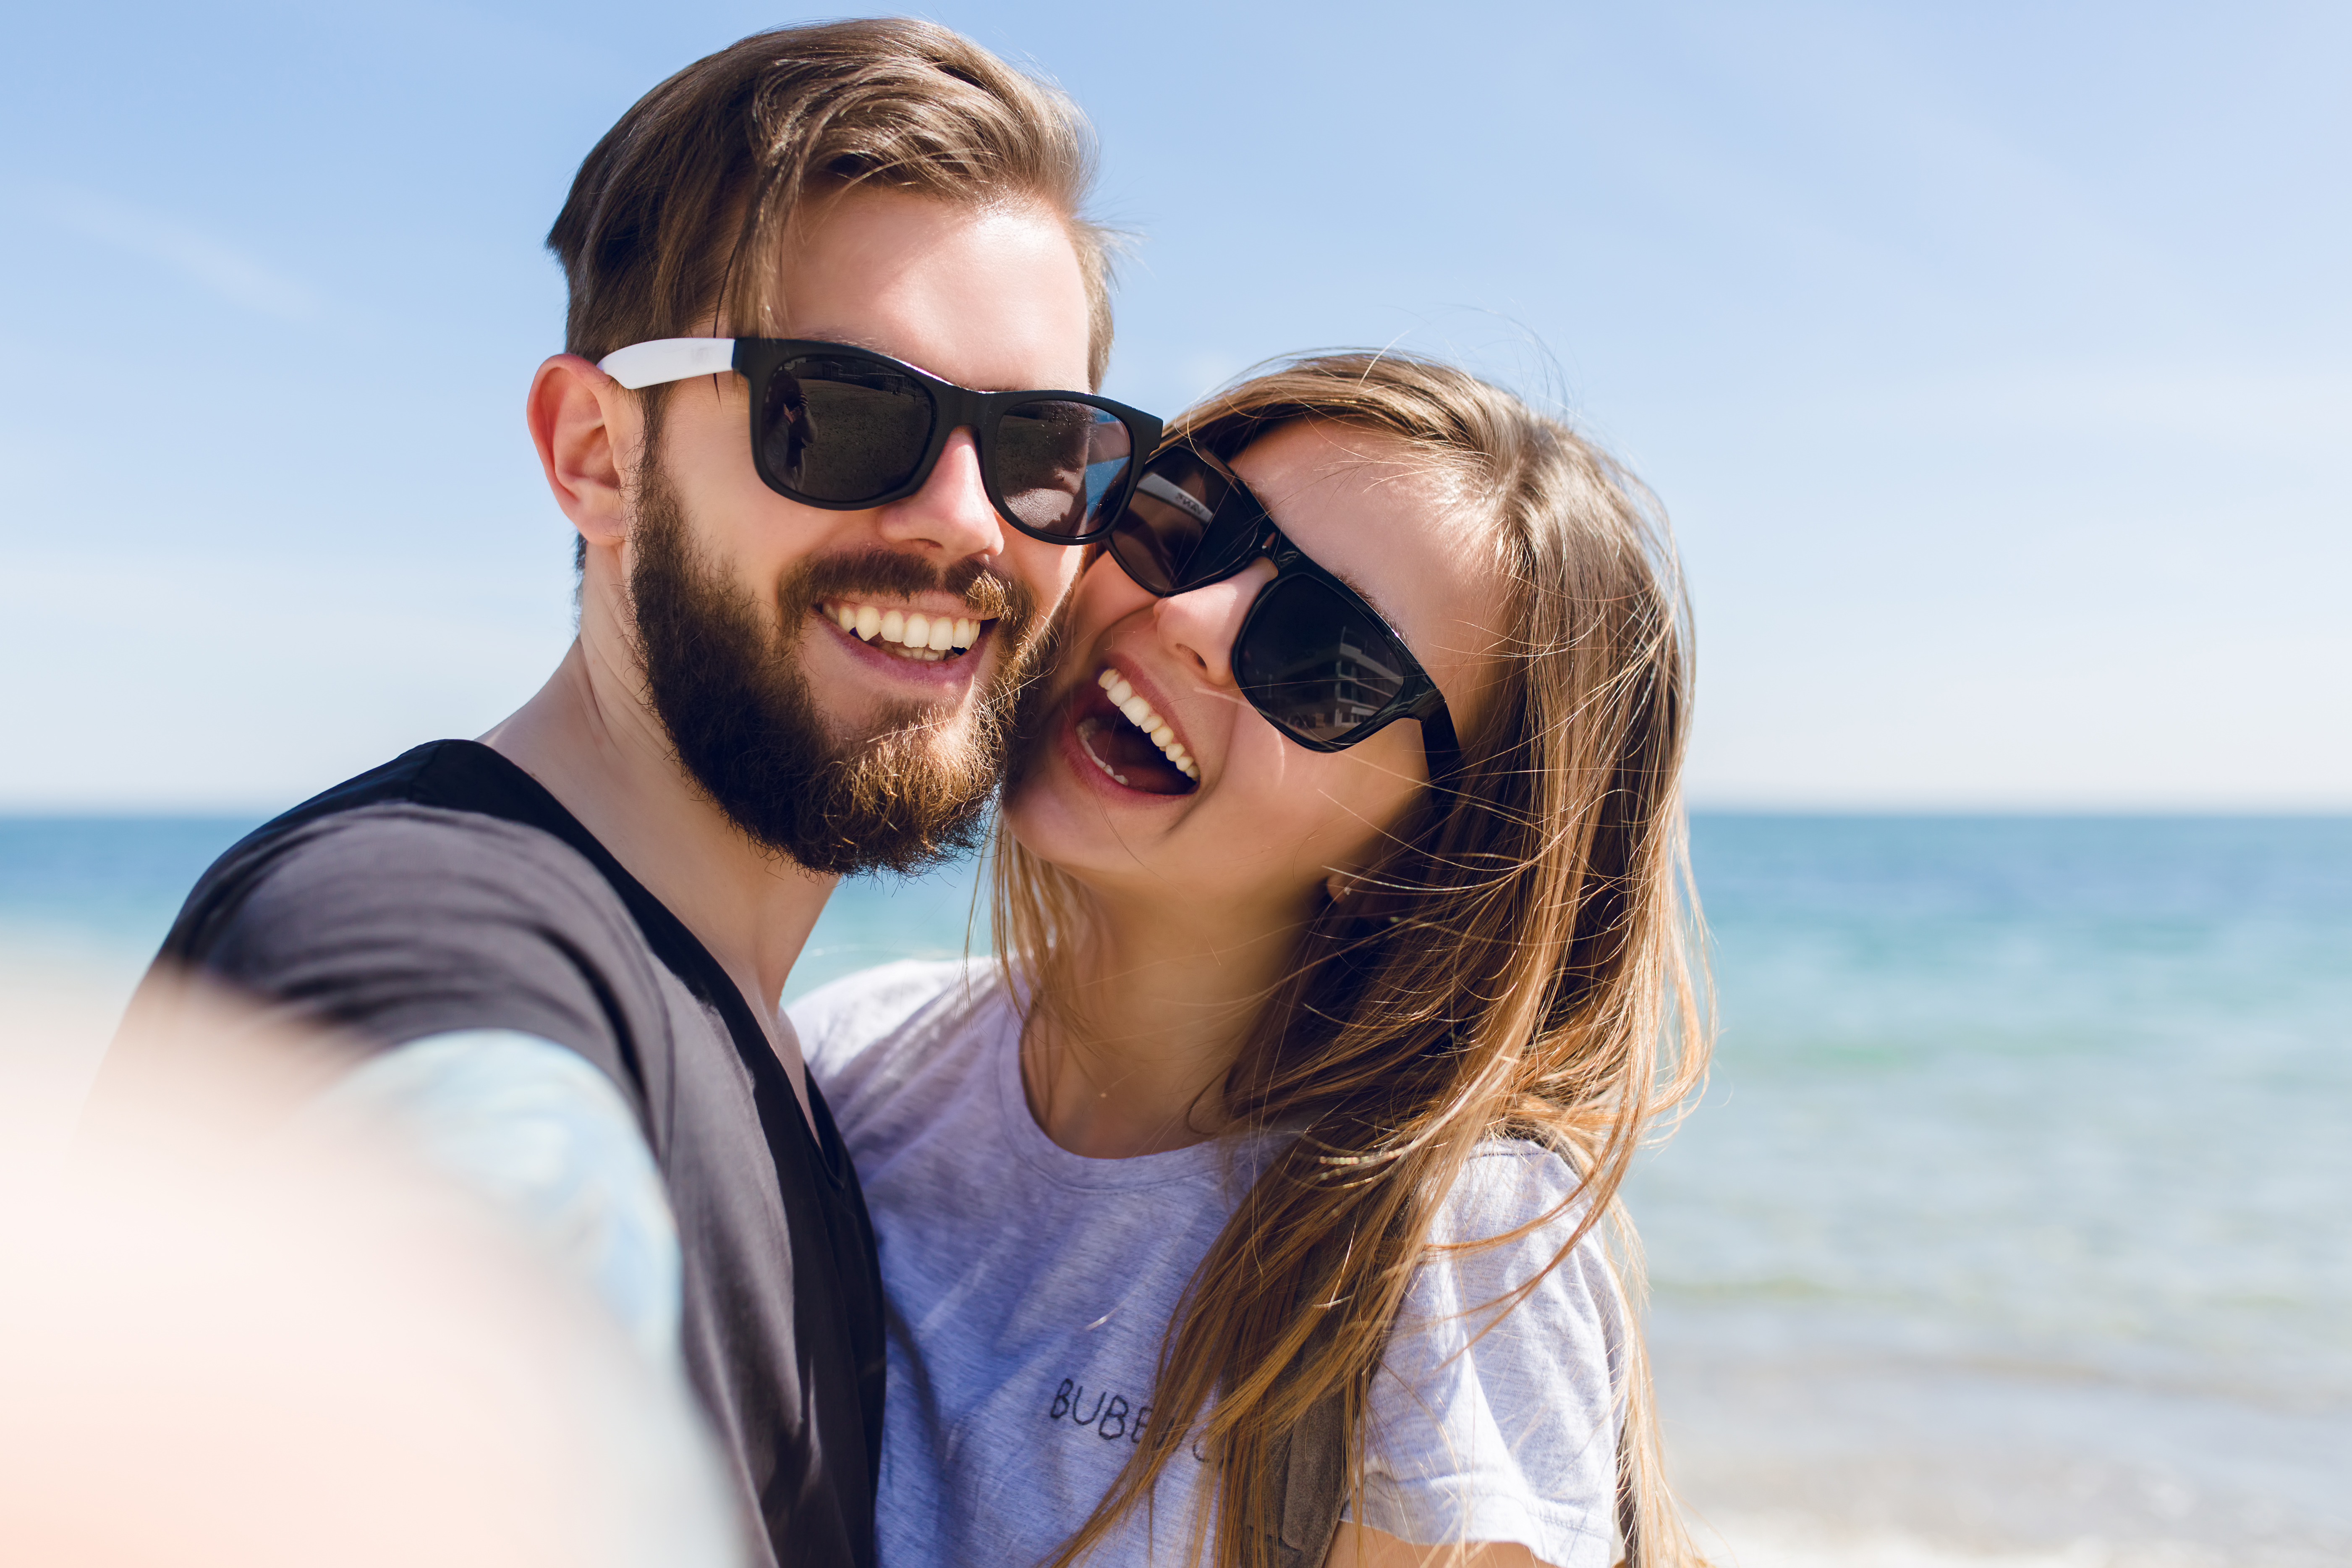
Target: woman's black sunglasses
1311, 655
842, 428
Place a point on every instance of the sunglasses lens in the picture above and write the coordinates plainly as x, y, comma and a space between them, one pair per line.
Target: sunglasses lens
843, 430
1168, 538
1053, 461
1315, 664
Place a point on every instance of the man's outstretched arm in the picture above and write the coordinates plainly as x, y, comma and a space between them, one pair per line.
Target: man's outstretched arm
541, 1135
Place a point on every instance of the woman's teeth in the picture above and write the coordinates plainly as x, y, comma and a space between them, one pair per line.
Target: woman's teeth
1138, 713
929, 638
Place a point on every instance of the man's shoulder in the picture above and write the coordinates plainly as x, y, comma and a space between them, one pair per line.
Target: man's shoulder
425, 850
399, 905
448, 830
392, 862
463, 776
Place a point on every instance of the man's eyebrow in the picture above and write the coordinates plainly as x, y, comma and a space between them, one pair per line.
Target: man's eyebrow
849, 340
857, 341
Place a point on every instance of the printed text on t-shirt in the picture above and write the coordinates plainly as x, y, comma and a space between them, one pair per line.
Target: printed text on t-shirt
1112, 1415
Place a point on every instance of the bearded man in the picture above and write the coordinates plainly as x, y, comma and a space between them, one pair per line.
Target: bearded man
816, 567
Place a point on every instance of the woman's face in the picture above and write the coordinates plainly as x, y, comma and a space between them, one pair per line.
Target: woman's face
1259, 824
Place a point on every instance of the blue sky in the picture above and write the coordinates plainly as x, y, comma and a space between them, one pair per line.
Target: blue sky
1994, 361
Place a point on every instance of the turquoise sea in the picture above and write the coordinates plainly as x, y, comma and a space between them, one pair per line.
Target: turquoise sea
2015, 1223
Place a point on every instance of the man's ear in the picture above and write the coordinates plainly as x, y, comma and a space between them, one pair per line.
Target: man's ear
587, 428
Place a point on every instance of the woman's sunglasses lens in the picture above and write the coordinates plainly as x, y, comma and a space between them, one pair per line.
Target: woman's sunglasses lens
843, 430
1054, 461
1177, 531
1314, 663
1159, 530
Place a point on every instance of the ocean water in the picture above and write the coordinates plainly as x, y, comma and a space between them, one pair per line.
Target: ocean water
2018, 1215
2015, 1225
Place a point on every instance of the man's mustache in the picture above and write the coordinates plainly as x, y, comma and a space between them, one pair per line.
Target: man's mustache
894, 574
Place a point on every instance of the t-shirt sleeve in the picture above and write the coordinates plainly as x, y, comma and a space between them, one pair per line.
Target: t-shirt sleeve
1489, 1423
389, 924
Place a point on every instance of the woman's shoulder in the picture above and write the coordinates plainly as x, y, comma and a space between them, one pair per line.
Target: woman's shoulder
858, 1024
1495, 1416
1500, 1249
1508, 1183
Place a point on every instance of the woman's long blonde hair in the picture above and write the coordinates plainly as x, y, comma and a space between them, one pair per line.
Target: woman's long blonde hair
1523, 961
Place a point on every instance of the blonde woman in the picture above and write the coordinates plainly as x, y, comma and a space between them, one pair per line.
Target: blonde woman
1251, 1210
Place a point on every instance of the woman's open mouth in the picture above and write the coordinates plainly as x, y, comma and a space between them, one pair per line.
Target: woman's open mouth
910, 635
1120, 734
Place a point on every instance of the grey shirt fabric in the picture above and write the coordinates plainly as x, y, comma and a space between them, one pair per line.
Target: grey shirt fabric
447, 892
1029, 1288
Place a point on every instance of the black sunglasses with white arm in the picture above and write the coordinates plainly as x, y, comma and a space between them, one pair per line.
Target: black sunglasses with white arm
842, 428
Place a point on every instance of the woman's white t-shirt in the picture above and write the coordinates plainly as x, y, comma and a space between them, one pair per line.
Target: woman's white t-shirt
1028, 1290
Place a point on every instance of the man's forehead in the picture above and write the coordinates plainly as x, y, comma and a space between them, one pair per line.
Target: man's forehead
986, 296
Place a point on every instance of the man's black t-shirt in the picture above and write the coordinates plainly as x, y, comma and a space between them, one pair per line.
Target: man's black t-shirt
448, 890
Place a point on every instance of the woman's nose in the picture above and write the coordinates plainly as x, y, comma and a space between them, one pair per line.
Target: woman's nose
1201, 625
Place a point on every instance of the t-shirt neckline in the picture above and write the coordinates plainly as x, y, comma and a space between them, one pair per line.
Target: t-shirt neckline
451, 774
1035, 1148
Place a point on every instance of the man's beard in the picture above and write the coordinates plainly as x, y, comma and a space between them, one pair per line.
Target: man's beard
729, 685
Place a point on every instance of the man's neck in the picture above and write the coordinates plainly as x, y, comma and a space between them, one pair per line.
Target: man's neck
1157, 1008
589, 738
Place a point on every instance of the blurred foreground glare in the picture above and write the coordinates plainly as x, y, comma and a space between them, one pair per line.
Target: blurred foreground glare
233, 1335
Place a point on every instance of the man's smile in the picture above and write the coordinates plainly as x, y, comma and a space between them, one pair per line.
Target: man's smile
915, 635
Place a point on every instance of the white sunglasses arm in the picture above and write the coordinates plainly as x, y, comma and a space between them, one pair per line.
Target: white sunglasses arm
668, 359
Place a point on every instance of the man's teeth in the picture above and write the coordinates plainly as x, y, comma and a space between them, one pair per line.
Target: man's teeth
918, 636
1138, 713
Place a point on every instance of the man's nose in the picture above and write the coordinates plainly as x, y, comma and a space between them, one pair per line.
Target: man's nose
951, 513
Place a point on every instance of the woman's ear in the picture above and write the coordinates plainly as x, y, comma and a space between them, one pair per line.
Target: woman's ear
586, 428
1338, 884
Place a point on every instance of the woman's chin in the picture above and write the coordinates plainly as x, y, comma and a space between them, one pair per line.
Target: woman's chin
1061, 812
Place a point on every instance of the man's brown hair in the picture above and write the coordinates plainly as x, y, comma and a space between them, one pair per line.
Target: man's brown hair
681, 209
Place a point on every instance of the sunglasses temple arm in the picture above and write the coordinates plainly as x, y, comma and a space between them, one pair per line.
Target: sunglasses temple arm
1438, 741
664, 359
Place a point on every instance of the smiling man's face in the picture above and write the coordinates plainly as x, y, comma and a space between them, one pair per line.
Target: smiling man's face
839, 749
